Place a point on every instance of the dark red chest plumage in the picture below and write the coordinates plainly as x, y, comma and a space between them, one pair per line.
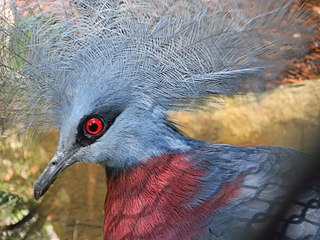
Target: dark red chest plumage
157, 200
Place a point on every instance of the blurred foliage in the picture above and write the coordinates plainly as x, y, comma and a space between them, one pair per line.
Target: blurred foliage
13, 208
70, 209
18, 45
19, 216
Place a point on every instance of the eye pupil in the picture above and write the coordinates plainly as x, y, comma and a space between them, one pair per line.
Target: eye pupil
94, 126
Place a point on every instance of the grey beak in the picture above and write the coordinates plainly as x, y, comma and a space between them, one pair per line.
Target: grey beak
58, 163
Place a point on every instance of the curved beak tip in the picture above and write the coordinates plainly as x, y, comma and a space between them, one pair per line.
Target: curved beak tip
49, 175
44, 182
37, 192
37, 195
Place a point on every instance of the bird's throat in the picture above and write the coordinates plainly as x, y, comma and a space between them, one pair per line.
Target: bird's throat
159, 200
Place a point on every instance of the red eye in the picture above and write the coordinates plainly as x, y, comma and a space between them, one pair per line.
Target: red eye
94, 126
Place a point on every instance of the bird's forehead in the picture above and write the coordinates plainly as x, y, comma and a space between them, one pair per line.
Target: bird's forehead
82, 106
89, 98
87, 93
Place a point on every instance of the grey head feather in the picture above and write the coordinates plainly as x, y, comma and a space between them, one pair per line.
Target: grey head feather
169, 54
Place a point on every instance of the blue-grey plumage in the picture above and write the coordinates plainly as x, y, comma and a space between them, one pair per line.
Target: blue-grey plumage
106, 73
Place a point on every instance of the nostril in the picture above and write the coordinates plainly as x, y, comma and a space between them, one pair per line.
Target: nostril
54, 163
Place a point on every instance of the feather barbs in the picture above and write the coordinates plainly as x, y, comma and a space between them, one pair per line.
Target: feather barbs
173, 54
